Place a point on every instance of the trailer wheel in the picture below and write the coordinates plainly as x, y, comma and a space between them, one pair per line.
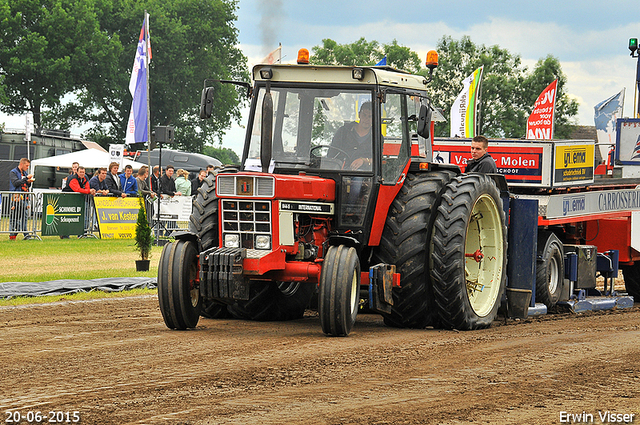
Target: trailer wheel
178, 289
204, 223
271, 301
469, 247
549, 269
339, 290
632, 280
405, 243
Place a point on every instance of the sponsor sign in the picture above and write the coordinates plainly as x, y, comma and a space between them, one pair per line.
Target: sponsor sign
573, 163
63, 214
540, 122
518, 164
597, 202
177, 208
117, 217
116, 154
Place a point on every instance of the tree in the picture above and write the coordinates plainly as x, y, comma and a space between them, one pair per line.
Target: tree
191, 40
224, 155
47, 49
365, 53
508, 90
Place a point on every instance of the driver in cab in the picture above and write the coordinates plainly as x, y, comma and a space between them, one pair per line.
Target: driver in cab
354, 138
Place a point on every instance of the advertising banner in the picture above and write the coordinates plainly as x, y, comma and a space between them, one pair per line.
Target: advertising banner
540, 122
62, 214
177, 208
519, 164
573, 163
117, 217
463, 110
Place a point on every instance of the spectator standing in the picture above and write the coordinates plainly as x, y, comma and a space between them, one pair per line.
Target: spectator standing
197, 182
143, 186
128, 183
72, 171
113, 180
210, 169
183, 185
19, 181
154, 179
167, 185
98, 182
78, 183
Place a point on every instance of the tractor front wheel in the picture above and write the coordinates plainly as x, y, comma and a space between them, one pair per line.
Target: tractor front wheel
339, 290
178, 289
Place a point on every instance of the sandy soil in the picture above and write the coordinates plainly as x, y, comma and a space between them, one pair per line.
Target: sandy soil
115, 362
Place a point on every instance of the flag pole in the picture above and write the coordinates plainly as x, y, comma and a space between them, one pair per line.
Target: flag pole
147, 63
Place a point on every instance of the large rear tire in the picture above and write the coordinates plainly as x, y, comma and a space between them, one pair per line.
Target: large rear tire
339, 290
405, 243
632, 280
178, 289
270, 301
469, 247
549, 269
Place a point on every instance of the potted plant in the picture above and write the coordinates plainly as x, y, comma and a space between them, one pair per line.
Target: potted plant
144, 238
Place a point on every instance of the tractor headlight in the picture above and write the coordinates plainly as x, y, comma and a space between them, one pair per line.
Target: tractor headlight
263, 242
231, 240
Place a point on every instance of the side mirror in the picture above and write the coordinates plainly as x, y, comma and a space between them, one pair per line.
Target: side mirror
206, 103
424, 121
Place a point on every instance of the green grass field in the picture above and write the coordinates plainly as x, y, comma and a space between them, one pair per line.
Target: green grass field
54, 258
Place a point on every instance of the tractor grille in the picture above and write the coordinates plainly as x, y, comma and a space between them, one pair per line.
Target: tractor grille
246, 186
246, 224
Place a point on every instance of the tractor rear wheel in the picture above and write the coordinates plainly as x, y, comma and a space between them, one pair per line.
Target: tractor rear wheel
204, 223
269, 301
632, 280
469, 253
339, 290
178, 289
405, 243
549, 269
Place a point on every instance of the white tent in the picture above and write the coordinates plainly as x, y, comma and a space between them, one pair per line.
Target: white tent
88, 158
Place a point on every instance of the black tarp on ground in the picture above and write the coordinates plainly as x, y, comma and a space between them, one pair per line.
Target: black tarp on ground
69, 286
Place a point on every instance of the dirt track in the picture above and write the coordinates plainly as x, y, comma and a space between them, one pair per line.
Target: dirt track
115, 362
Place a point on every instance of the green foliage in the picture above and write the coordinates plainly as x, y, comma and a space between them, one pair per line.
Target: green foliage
508, 89
144, 237
53, 48
49, 48
225, 155
365, 53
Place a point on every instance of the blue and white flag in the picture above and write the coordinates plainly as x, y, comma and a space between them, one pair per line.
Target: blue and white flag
606, 114
383, 62
137, 131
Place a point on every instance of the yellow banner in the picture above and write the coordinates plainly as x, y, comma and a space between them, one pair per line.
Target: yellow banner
117, 217
574, 162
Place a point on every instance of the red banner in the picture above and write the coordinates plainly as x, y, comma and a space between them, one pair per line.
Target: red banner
540, 122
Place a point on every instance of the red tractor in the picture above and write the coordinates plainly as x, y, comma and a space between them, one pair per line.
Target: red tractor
337, 199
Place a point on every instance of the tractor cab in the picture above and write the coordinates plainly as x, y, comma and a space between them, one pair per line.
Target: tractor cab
349, 124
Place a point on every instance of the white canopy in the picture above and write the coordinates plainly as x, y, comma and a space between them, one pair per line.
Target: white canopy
88, 158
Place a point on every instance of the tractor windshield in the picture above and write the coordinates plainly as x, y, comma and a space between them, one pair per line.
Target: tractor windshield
315, 128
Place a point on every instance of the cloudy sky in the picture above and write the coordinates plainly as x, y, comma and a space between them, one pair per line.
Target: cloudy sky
589, 38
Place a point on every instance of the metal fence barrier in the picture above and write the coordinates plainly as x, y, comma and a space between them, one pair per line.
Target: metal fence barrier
21, 216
